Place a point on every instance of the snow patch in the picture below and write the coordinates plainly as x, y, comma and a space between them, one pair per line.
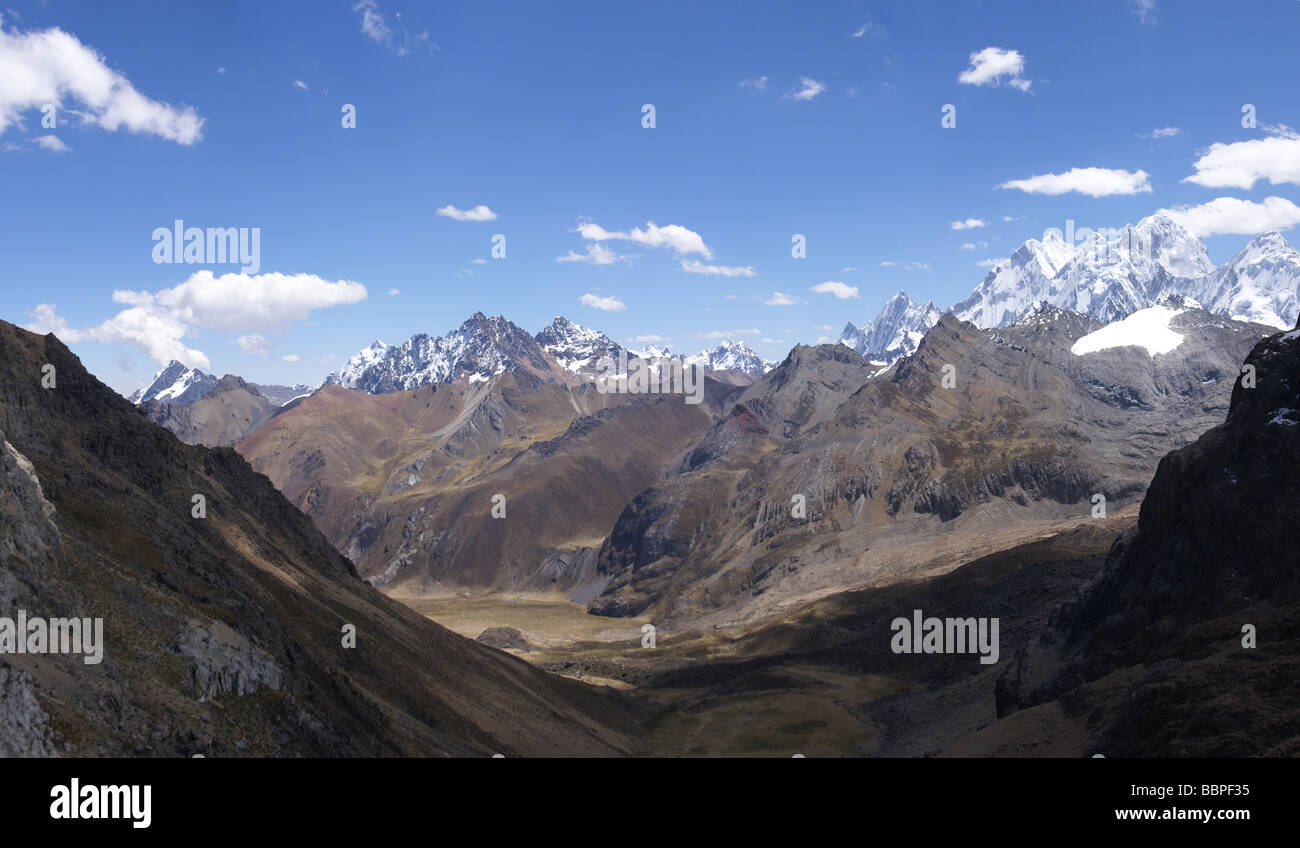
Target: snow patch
1147, 328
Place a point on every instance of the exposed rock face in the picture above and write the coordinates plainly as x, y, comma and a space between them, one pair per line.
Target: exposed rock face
1214, 553
24, 726
225, 661
223, 634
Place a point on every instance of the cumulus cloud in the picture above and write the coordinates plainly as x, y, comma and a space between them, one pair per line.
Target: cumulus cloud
777, 298
695, 266
477, 214
995, 66
968, 224
597, 254
253, 343
1094, 182
676, 237
1242, 163
838, 289
605, 304
807, 90
51, 66
52, 143
1234, 216
157, 322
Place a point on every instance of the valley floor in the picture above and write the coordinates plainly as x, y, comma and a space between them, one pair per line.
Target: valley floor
819, 680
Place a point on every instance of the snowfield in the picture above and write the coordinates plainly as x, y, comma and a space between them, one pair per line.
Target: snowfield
1147, 328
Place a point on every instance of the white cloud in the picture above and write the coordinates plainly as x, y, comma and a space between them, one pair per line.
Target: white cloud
300, 84
291, 357
826, 327
253, 343
1162, 132
1242, 163
477, 214
1234, 216
974, 245
52, 143
838, 289
605, 304
911, 266
479, 261
1282, 130
1145, 10
695, 266
867, 28
51, 66
992, 263
777, 298
1094, 182
968, 224
373, 23
157, 322
221, 70
726, 334
376, 28
673, 236
847, 269
597, 254
808, 89
652, 338
758, 84
995, 66
394, 292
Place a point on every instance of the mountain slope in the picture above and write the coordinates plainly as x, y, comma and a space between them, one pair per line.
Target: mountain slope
1154, 650
903, 475
228, 412
224, 633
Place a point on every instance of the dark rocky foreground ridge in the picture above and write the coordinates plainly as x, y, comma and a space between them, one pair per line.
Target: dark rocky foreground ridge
223, 635
1158, 644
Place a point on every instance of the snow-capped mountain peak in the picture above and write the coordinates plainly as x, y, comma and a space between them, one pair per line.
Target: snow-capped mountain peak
578, 349
175, 383
895, 332
732, 355
1261, 283
478, 350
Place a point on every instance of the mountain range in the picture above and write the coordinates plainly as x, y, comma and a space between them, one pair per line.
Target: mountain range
1107, 277
482, 348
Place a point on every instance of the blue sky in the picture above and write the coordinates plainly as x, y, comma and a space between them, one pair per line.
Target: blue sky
771, 119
